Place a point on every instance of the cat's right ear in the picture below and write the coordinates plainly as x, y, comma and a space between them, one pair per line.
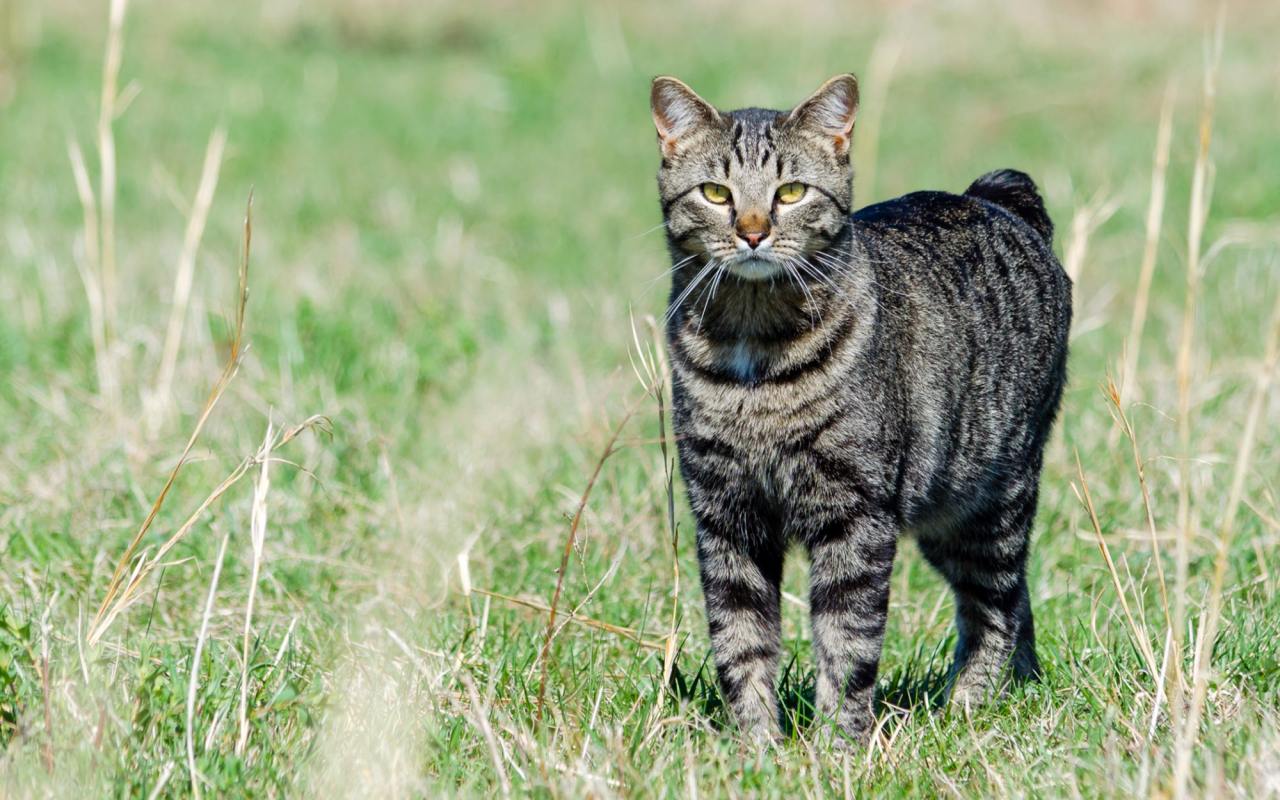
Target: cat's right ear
677, 112
831, 110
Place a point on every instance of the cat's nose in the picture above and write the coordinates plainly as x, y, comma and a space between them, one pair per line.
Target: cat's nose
753, 228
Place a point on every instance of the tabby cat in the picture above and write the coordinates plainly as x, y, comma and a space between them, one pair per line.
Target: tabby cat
842, 380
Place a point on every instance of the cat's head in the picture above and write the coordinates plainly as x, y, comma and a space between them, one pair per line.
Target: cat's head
753, 188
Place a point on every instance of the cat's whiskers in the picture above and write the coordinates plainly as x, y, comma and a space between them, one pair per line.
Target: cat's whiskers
847, 259
670, 271
789, 266
712, 264
659, 226
846, 270
818, 274
711, 295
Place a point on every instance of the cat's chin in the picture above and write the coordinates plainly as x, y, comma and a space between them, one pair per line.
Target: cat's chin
755, 269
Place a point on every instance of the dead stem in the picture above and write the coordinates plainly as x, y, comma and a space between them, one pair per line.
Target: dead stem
1199, 211
1150, 249
544, 655
100, 620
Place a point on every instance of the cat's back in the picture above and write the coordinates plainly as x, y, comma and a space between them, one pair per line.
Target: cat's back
984, 257
997, 225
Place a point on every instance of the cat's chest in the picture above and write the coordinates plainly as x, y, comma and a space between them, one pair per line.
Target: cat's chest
744, 362
765, 441
756, 419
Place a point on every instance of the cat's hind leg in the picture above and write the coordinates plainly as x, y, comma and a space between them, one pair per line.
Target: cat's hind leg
984, 560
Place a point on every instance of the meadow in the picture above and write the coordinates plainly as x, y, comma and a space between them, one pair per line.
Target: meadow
298, 529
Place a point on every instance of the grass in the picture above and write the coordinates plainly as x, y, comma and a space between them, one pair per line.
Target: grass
453, 235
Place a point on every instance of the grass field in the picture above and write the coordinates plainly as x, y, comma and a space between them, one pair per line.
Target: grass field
453, 235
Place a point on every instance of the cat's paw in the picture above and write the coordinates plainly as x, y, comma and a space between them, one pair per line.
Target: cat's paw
761, 737
758, 730
851, 734
970, 690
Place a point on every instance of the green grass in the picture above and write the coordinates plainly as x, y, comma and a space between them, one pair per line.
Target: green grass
453, 225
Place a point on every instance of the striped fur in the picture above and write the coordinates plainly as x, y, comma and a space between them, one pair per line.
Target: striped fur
853, 380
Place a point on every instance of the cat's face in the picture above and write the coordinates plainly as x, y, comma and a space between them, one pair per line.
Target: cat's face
755, 190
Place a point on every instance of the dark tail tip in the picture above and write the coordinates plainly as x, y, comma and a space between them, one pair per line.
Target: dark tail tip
1016, 192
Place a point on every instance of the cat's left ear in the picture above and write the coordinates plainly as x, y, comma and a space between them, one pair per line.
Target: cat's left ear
677, 112
831, 110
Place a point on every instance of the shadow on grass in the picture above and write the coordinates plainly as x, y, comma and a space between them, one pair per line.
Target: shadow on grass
911, 688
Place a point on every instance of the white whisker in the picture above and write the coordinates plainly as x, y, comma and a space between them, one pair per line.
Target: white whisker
670, 271
693, 284
662, 224
715, 284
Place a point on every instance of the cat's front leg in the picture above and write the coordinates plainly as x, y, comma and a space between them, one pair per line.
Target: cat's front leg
741, 580
848, 604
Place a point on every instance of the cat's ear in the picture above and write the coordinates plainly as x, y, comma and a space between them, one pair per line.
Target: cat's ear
831, 110
677, 112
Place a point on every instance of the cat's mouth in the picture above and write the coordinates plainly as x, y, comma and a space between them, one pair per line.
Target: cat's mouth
754, 268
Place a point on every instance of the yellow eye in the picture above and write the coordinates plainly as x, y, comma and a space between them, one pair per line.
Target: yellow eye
716, 193
791, 192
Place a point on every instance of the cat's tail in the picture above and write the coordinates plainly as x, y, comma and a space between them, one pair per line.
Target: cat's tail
1016, 192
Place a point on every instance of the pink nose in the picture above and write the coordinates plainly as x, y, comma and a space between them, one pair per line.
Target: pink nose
753, 239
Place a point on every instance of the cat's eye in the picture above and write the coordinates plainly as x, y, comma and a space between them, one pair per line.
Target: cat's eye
791, 192
716, 193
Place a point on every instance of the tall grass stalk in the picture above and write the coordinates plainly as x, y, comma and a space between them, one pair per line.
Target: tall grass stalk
184, 275
1187, 724
1150, 248
880, 68
1199, 212
89, 267
193, 681
545, 653
107, 110
258, 536
1212, 615
119, 593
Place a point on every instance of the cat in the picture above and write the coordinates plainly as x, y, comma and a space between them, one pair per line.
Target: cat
843, 380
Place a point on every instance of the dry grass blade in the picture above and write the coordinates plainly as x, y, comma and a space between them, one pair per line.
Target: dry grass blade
1199, 212
107, 157
880, 68
132, 588
630, 634
673, 529
544, 654
185, 273
654, 378
1087, 219
193, 682
46, 694
162, 781
1141, 639
112, 597
1150, 248
481, 720
258, 536
1213, 614
88, 268
1126, 427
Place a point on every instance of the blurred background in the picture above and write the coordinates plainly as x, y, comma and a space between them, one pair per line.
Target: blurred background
455, 252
